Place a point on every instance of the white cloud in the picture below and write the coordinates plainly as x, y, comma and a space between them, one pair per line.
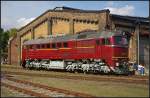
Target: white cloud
23, 21
8, 23
126, 10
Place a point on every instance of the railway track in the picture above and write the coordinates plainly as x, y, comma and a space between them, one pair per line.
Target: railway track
124, 79
113, 76
38, 90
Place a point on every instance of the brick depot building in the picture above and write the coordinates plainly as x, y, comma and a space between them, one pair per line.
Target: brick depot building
64, 20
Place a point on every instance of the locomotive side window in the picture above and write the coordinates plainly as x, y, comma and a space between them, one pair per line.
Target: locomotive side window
43, 46
48, 45
103, 41
30, 46
27, 47
58, 45
53, 45
97, 42
65, 44
107, 41
38, 46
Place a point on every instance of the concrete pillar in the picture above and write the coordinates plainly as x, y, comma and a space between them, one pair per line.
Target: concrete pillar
99, 26
71, 26
137, 31
32, 33
49, 26
103, 21
19, 49
9, 52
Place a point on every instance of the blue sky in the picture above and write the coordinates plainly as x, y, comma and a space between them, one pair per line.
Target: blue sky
19, 13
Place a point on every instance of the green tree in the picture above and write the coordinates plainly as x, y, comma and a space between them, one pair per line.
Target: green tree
4, 38
12, 32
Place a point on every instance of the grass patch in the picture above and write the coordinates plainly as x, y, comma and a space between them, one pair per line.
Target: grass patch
102, 89
7, 93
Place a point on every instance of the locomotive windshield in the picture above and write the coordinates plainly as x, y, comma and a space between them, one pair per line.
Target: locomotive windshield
119, 40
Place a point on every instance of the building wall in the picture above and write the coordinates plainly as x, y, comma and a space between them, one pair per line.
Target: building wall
41, 30
12, 51
144, 51
60, 26
79, 26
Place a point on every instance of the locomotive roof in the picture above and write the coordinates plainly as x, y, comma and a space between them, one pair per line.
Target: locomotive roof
83, 35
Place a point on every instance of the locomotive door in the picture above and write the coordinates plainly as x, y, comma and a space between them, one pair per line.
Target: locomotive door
98, 49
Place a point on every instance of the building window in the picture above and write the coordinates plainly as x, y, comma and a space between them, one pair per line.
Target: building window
58, 45
53, 45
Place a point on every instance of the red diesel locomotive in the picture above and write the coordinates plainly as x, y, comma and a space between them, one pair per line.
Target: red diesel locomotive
106, 51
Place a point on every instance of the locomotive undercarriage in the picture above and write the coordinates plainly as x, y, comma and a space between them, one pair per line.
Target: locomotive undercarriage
86, 65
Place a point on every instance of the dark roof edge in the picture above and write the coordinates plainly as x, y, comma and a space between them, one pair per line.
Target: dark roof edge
126, 16
50, 10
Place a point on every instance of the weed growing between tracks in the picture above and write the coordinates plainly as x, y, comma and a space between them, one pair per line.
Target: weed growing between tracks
94, 88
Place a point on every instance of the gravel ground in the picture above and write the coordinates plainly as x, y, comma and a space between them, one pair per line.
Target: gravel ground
6, 92
36, 89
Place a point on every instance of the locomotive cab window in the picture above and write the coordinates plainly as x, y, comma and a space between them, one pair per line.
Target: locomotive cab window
65, 44
53, 45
